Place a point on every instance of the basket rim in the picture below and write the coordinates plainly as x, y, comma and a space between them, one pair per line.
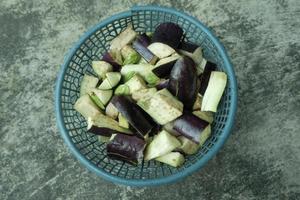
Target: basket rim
156, 181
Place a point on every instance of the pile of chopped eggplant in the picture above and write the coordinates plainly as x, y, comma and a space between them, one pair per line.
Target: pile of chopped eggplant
154, 96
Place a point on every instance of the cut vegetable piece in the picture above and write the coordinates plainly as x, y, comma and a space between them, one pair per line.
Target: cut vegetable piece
122, 89
188, 46
183, 81
124, 38
169, 128
164, 66
96, 100
190, 126
103, 138
128, 76
204, 78
144, 70
101, 68
111, 111
105, 85
87, 84
174, 159
214, 91
129, 55
86, 107
206, 116
197, 57
113, 59
103, 125
122, 121
103, 95
168, 33
113, 78
162, 84
162, 144
205, 135
144, 52
143, 94
188, 146
161, 50
198, 102
136, 117
127, 148
136, 83
163, 107
144, 39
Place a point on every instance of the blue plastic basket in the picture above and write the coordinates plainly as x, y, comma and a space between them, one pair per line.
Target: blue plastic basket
91, 46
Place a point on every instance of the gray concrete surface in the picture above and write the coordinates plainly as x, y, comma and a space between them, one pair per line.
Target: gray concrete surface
261, 160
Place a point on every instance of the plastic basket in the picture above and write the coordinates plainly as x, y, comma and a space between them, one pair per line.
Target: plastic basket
91, 46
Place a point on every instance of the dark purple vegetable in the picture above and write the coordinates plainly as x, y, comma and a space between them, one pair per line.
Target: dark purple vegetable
164, 66
188, 46
183, 81
127, 148
204, 77
138, 45
169, 127
136, 117
144, 39
168, 33
162, 84
190, 126
109, 58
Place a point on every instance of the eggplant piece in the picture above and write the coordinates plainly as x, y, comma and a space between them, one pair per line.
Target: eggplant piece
144, 52
168, 33
143, 94
122, 89
122, 121
188, 146
162, 84
136, 83
86, 107
169, 128
87, 84
112, 79
113, 59
161, 50
188, 46
103, 95
124, 38
129, 55
206, 116
111, 111
174, 159
128, 148
164, 66
163, 107
96, 100
183, 81
101, 68
144, 39
162, 144
214, 91
197, 57
198, 102
103, 125
190, 126
204, 78
144, 70
136, 117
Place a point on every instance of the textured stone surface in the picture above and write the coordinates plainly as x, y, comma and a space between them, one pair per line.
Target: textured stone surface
261, 159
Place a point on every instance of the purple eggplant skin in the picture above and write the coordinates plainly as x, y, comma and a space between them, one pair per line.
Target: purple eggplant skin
190, 126
128, 148
204, 77
162, 84
164, 70
108, 58
188, 46
144, 52
183, 81
144, 39
103, 131
168, 33
136, 117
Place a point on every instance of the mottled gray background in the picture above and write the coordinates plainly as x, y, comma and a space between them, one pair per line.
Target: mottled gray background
259, 161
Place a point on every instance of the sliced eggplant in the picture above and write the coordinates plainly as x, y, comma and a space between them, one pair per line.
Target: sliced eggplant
162, 144
190, 126
122, 121
86, 107
124, 38
103, 125
163, 83
169, 127
174, 159
122, 89
144, 52
136, 83
214, 91
101, 68
144, 39
168, 33
188, 146
206, 116
198, 102
197, 57
161, 50
163, 107
87, 84
164, 66
112, 79
183, 81
128, 148
96, 100
136, 117
103, 95
113, 59
130, 56
143, 94
204, 78
111, 111
144, 70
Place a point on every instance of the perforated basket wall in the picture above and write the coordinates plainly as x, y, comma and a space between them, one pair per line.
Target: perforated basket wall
91, 46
